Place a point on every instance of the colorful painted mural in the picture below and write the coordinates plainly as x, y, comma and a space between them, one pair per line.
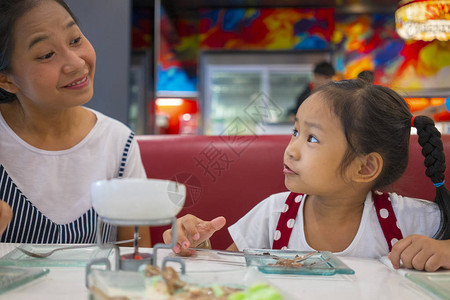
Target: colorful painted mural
359, 42
268, 29
364, 42
369, 42
177, 67
425, 65
142, 29
235, 29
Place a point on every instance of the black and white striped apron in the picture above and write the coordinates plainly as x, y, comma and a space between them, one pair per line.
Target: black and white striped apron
29, 225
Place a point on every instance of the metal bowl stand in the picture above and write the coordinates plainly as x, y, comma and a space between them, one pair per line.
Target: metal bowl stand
126, 262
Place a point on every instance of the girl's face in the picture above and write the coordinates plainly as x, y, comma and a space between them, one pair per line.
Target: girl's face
53, 64
313, 156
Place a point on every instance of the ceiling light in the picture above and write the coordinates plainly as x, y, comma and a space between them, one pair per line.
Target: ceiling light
424, 20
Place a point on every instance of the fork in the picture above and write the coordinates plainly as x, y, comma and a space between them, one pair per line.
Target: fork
48, 253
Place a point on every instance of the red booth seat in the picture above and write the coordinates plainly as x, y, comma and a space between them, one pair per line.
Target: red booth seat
228, 175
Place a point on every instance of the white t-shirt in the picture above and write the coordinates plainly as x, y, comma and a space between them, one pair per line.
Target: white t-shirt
57, 183
414, 216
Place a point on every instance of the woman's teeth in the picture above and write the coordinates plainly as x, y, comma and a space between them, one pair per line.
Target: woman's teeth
78, 82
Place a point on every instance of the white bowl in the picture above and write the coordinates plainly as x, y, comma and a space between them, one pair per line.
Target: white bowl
137, 199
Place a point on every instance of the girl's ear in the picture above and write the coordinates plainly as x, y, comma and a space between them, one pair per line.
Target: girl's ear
369, 167
7, 84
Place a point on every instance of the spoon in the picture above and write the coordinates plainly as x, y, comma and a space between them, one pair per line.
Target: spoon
48, 253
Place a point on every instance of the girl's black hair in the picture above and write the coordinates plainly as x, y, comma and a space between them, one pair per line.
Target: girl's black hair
433, 151
10, 12
376, 119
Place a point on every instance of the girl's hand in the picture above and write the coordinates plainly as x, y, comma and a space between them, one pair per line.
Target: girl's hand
192, 231
5, 215
421, 253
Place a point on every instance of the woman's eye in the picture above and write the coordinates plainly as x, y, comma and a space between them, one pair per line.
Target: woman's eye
76, 41
46, 56
312, 139
295, 132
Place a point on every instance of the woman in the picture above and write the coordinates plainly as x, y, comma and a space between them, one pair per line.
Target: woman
52, 148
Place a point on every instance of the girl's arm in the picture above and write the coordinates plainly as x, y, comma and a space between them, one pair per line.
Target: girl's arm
191, 232
421, 253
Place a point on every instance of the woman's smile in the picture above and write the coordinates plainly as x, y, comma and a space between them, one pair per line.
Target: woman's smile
78, 83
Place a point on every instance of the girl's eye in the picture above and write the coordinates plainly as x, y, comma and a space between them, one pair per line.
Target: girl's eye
295, 132
312, 139
47, 56
76, 41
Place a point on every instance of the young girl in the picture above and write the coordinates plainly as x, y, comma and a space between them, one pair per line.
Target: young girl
51, 147
350, 139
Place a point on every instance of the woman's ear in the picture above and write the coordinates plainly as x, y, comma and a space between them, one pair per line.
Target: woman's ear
368, 168
7, 84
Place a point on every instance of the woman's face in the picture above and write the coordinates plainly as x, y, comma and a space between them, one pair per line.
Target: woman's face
52, 64
313, 157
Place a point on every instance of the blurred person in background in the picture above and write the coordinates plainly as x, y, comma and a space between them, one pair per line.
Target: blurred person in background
323, 73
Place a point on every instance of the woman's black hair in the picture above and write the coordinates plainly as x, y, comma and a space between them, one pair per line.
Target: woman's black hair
377, 119
10, 12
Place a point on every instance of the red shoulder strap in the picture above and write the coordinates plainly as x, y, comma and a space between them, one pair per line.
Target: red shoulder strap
387, 219
383, 207
286, 221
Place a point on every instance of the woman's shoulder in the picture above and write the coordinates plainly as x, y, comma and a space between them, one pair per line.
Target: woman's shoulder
109, 133
108, 121
107, 125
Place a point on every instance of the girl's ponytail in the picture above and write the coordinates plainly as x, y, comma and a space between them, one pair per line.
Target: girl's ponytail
433, 151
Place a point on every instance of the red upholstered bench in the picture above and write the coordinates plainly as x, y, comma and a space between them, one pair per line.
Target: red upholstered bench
228, 175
